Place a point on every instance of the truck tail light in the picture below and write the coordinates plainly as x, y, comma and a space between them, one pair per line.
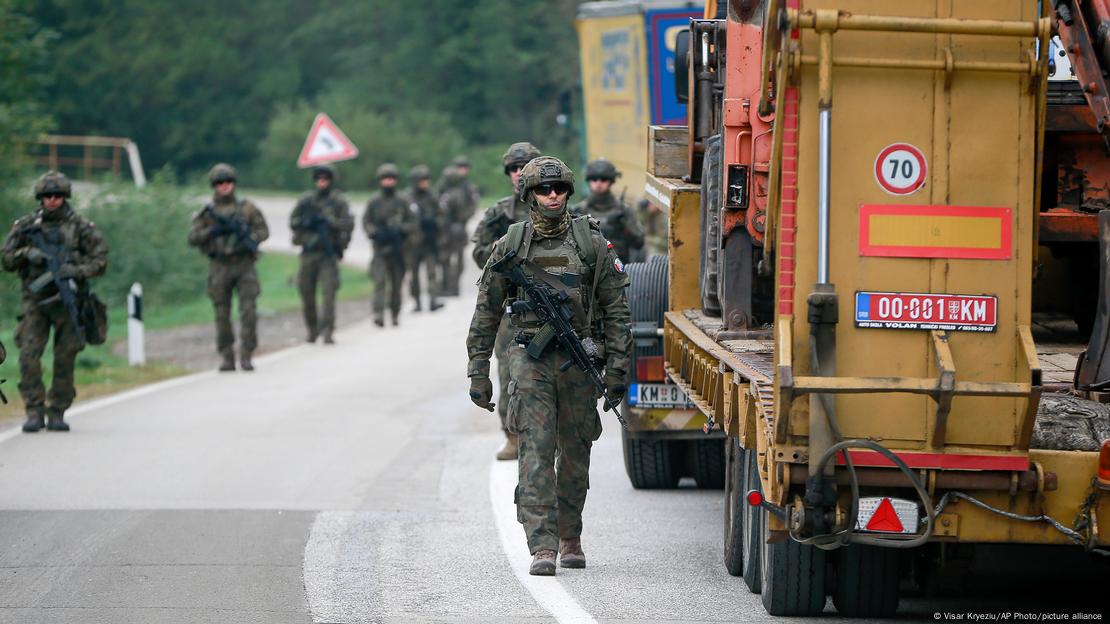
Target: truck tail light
883, 514
649, 368
1104, 465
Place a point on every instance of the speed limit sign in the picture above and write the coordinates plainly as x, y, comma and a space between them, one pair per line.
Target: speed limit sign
901, 169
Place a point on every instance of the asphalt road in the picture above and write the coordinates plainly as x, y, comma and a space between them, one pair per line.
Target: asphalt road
353, 483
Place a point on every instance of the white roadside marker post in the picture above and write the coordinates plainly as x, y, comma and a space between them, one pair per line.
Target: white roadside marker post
136, 352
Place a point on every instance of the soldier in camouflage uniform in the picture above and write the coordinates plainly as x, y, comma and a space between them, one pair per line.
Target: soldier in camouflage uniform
619, 222
459, 199
322, 226
53, 230
495, 223
228, 230
424, 204
553, 411
391, 226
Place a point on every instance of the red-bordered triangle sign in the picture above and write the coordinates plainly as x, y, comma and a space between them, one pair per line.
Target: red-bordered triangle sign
326, 143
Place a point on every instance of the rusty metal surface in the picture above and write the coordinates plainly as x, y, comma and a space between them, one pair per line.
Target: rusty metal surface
1068, 225
944, 479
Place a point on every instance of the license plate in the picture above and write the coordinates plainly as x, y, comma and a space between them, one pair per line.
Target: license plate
886, 310
657, 395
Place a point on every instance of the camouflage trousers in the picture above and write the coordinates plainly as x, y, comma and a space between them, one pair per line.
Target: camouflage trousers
505, 339
555, 415
428, 258
225, 275
451, 268
388, 273
31, 336
318, 268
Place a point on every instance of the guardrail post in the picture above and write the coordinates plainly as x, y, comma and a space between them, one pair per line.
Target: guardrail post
136, 351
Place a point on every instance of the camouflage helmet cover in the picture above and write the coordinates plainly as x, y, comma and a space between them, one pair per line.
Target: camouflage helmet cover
420, 172
541, 171
602, 169
388, 170
461, 161
325, 170
221, 172
520, 154
52, 182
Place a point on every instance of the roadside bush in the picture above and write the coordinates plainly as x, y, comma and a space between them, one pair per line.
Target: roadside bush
405, 138
146, 231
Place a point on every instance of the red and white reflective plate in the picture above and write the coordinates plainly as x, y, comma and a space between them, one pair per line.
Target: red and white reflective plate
882, 514
887, 310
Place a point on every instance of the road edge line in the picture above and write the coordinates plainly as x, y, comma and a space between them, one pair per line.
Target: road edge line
548, 592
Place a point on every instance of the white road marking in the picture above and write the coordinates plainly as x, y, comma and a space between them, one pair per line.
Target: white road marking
546, 590
128, 395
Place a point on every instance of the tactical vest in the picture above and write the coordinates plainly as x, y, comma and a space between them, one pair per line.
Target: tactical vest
227, 244
574, 255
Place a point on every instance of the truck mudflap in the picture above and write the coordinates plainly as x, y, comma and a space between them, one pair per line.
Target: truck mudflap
1094, 365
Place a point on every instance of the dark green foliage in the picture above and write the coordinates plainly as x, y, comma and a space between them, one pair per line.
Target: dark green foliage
238, 81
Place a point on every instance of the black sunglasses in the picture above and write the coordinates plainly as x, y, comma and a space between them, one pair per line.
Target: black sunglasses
513, 169
560, 188
599, 179
52, 195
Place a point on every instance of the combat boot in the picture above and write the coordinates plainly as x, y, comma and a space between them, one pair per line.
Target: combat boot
229, 362
311, 338
543, 563
570, 553
328, 339
434, 305
34, 420
417, 307
509, 449
396, 320
245, 361
379, 321
55, 420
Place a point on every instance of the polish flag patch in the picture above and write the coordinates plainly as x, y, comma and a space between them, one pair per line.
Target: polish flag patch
618, 265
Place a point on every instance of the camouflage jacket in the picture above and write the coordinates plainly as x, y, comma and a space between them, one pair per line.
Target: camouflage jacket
495, 222
619, 223
332, 209
389, 223
86, 249
458, 202
218, 243
601, 293
430, 218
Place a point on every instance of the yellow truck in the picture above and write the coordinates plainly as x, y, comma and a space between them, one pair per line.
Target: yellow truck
849, 284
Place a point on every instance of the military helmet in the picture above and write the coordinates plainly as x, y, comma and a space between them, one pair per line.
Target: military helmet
52, 183
420, 172
221, 172
325, 170
543, 170
461, 161
519, 154
388, 170
602, 169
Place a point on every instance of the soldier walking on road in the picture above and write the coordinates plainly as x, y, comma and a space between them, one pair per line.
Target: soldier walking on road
495, 223
619, 222
322, 226
55, 251
228, 230
425, 205
554, 411
459, 198
391, 226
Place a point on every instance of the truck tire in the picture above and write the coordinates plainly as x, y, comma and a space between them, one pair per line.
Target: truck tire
735, 482
652, 464
867, 580
751, 519
793, 577
707, 463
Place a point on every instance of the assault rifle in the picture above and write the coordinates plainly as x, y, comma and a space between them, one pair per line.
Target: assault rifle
552, 306
318, 224
232, 225
56, 257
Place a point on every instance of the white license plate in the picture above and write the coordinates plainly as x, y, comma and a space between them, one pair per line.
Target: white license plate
888, 310
658, 395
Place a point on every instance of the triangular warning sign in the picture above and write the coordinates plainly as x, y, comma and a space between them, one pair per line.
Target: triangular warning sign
885, 519
326, 143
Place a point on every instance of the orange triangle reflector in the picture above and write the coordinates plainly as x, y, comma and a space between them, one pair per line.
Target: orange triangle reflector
885, 519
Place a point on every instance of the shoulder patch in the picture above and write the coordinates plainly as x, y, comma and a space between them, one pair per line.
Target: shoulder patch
617, 264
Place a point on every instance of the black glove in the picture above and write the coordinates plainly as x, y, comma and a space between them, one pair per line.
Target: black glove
34, 255
615, 388
481, 392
